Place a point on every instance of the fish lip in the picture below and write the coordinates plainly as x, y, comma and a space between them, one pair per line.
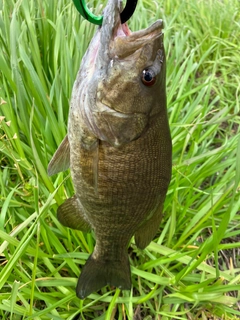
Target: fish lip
123, 45
154, 29
116, 38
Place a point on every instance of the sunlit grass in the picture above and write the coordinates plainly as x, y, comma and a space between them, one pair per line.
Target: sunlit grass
192, 269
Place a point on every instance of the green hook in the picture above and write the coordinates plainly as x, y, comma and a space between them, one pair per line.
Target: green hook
88, 15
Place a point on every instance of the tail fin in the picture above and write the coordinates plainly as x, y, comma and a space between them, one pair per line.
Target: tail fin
100, 272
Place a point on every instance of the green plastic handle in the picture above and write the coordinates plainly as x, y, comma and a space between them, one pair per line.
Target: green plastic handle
86, 13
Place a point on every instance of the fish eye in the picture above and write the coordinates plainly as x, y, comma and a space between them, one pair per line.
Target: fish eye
148, 77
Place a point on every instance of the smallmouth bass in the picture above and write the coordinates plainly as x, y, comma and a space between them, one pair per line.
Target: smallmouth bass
118, 147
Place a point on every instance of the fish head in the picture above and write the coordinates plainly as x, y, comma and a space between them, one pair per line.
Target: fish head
131, 64
122, 78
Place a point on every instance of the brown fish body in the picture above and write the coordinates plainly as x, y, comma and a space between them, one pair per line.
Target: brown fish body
132, 183
120, 148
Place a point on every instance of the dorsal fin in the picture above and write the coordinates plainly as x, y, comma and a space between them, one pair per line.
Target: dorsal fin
61, 158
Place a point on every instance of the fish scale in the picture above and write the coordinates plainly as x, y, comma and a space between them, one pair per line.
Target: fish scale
119, 197
118, 148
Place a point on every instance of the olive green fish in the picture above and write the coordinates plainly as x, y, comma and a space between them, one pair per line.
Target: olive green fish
118, 147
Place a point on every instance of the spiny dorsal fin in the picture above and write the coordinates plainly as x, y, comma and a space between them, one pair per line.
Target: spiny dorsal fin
61, 158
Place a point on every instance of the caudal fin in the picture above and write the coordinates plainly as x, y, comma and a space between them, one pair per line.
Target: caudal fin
100, 272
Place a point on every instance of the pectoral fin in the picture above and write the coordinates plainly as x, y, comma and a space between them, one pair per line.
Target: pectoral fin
61, 158
90, 163
71, 215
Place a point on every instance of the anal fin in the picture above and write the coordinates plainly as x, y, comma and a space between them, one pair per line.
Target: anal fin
149, 228
71, 215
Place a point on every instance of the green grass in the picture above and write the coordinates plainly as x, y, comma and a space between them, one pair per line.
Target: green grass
192, 269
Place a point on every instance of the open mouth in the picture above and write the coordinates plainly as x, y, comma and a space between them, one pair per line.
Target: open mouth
123, 30
124, 41
117, 36
154, 30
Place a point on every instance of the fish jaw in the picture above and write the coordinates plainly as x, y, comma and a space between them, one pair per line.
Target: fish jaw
116, 39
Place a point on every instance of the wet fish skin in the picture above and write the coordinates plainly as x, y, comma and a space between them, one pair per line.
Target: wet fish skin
120, 148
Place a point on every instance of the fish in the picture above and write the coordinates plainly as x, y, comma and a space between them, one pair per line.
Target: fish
118, 148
